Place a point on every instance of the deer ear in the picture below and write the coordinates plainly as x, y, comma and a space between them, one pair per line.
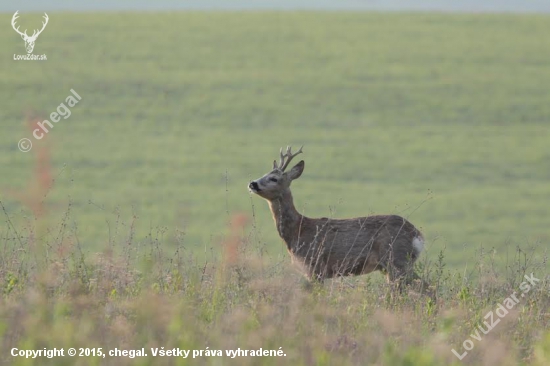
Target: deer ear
296, 170
275, 164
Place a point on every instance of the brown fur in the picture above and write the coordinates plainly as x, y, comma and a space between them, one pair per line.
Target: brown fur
339, 247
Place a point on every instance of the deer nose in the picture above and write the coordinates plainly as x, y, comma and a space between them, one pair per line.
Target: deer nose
254, 186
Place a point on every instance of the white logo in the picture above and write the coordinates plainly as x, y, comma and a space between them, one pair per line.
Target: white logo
29, 40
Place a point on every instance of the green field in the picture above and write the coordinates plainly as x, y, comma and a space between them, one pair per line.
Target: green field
179, 111
440, 118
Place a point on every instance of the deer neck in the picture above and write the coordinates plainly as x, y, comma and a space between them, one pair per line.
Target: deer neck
287, 218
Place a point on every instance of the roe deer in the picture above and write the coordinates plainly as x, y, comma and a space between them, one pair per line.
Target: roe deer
338, 247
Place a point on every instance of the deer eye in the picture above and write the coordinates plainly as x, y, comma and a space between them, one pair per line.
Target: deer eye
273, 180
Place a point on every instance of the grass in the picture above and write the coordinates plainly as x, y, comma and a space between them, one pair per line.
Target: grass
115, 224
147, 297
181, 110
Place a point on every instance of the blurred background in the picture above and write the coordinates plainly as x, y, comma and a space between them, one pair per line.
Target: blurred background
435, 110
386, 5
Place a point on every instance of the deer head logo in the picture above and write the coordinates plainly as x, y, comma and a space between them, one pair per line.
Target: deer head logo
29, 40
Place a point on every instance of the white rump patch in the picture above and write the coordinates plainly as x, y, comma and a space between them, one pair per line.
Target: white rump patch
418, 244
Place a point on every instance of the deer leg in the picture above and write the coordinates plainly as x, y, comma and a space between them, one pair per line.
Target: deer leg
421, 286
396, 277
317, 277
311, 280
405, 276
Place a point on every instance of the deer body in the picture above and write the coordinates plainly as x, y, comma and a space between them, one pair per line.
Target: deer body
328, 247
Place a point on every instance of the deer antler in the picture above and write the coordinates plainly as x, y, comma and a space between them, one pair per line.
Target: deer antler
43, 26
288, 155
35, 32
13, 19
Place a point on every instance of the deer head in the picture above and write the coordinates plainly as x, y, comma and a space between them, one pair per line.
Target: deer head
29, 40
273, 184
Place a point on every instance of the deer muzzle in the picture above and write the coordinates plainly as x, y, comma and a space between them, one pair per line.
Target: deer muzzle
253, 186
